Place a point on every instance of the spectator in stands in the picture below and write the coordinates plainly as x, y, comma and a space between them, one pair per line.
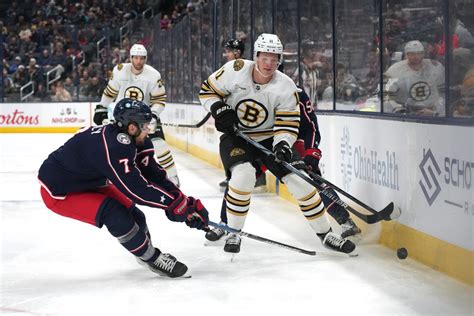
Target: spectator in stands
27, 48
35, 72
20, 77
415, 85
94, 89
45, 60
14, 65
69, 86
61, 94
311, 74
165, 22
8, 86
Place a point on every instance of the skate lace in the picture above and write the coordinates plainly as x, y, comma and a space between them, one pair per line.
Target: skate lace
219, 231
166, 262
233, 240
334, 240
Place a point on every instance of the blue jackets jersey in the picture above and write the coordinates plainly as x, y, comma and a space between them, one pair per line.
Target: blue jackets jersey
104, 153
309, 129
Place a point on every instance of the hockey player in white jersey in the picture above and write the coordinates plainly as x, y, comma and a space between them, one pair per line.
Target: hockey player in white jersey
415, 85
139, 81
263, 103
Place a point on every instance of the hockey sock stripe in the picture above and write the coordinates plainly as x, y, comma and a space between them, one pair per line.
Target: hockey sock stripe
160, 156
231, 200
166, 161
237, 213
309, 207
309, 196
150, 251
145, 242
235, 192
315, 216
128, 236
169, 166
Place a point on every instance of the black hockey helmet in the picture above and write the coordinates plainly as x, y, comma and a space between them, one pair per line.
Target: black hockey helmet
235, 44
131, 111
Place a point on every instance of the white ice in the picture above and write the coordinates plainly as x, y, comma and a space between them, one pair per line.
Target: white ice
51, 265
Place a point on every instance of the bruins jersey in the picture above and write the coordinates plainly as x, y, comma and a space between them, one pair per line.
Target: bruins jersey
415, 89
263, 110
146, 86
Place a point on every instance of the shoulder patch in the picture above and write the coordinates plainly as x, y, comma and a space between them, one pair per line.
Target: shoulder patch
119, 66
238, 64
159, 83
123, 139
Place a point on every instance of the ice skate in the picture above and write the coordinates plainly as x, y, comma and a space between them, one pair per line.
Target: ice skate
335, 242
232, 243
223, 185
349, 228
166, 265
215, 234
260, 184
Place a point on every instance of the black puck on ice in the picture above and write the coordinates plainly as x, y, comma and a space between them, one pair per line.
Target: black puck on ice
402, 253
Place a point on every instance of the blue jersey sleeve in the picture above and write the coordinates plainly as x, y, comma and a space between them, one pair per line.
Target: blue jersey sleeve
121, 168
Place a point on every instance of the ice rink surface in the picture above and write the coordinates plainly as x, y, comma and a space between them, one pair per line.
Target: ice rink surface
51, 265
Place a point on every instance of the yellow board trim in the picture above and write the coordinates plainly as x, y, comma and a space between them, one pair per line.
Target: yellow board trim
6, 130
438, 254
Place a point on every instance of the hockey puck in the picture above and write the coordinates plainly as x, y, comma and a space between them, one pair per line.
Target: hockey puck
402, 253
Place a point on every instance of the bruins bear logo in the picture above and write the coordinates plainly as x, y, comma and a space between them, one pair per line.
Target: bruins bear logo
134, 93
238, 64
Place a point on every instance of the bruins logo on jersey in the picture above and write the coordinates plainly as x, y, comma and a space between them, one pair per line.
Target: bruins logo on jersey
237, 152
134, 93
251, 113
159, 83
119, 66
238, 64
420, 91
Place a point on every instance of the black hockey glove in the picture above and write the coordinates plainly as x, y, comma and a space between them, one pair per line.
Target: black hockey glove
178, 210
198, 215
100, 114
283, 152
225, 117
311, 159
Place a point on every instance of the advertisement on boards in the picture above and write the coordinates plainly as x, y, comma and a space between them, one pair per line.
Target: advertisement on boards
426, 170
45, 115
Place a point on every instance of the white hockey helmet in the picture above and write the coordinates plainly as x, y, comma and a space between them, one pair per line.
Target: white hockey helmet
138, 50
414, 47
268, 43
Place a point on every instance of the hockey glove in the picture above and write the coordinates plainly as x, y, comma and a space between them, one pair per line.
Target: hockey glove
198, 215
178, 210
225, 117
100, 115
283, 152
312, 157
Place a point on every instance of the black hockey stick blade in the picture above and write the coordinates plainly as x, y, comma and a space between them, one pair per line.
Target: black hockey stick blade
197, 125
263, 239
376, 216
369, 219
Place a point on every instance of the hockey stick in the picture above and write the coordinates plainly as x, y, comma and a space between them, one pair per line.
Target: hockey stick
375, 217
262, 239
197, 125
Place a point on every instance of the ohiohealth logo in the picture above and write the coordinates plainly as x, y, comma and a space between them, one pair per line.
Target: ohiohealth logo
346, 158
429, 171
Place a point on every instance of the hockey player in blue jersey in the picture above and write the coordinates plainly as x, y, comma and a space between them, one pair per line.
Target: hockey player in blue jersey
99, 174
307, 146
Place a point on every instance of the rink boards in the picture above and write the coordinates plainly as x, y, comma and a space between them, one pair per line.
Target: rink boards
427, 170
